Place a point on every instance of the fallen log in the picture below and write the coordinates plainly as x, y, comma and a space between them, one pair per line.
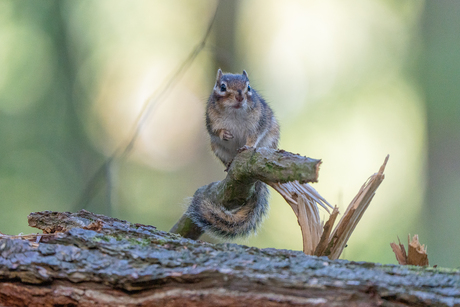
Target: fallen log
85, 259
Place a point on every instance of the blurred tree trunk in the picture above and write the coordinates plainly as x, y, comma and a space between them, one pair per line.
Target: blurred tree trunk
224, 36
440, 78
74, 145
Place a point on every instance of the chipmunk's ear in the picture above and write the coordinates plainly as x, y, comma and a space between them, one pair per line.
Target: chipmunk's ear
219, 75
245, 74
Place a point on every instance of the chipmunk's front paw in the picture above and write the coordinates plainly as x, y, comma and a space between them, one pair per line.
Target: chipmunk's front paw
225, 135
245, 147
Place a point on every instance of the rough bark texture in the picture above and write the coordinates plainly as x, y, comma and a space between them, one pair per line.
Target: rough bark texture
97, 260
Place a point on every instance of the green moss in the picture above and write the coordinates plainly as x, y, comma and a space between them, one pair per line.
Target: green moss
101, 238
140, 241
160, 242
121, 237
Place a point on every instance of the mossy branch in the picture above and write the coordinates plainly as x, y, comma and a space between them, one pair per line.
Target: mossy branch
248, 167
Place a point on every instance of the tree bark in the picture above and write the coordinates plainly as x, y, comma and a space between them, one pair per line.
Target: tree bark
84, 259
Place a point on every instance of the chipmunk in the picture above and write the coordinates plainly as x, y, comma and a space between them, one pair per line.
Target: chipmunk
236, 117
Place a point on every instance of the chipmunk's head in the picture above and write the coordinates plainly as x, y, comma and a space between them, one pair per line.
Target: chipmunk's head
232, 90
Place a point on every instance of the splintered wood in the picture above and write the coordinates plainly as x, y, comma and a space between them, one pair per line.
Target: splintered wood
303, 199
417, 252
325, 240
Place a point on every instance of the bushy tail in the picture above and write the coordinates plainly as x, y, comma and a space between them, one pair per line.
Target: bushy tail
240, 221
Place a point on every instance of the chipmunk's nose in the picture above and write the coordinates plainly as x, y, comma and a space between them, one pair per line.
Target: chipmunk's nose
239, 97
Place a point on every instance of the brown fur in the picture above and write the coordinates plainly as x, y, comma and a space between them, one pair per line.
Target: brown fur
241, 114
236, 116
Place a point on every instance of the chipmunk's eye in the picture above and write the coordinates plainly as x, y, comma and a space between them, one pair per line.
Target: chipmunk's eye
249, 88
223, 88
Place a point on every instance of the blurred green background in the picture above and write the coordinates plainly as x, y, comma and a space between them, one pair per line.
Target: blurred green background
350, 82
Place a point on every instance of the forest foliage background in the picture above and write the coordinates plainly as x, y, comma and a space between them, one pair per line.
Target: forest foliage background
350, 82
